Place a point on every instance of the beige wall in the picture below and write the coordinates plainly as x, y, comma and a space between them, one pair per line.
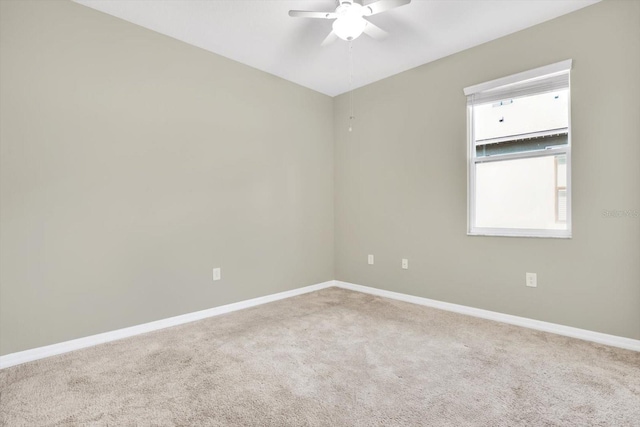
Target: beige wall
132, 164
400, 180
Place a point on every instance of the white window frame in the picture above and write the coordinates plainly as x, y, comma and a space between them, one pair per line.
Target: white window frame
502, 84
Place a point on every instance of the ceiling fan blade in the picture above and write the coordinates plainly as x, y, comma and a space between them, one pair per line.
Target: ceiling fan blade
309, 14
329, 39
382, 6
374, 31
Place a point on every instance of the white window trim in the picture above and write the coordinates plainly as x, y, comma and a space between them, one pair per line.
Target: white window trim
472, 230
545, 71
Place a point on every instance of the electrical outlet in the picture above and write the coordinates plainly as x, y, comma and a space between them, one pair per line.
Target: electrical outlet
216, 274
405, 264
370, 259
532, 280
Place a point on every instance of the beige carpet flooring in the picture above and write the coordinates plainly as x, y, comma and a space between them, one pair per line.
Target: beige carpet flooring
330, 358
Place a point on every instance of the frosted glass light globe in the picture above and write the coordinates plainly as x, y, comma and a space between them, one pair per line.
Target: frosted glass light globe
349, 24
349, 29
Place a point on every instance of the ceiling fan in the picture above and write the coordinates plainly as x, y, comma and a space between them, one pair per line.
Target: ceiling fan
350, 20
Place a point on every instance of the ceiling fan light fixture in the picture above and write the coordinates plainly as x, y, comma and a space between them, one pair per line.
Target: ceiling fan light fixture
350, 20
349, 28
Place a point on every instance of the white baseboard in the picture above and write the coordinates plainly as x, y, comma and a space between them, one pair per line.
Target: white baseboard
67, 346
583, 334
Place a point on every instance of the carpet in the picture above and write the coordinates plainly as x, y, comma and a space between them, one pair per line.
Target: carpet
330, 358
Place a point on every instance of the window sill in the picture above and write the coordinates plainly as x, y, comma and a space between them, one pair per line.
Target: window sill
544, 234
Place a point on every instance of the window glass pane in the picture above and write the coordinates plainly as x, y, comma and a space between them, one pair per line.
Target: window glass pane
522, 193
522, 145
522, 124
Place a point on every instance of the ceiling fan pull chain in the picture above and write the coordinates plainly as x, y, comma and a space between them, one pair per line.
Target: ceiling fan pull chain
351, 116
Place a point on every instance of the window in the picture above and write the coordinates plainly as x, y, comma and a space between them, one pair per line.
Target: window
520, 154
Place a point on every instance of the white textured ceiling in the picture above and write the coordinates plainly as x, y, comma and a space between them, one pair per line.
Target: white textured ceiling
259, 33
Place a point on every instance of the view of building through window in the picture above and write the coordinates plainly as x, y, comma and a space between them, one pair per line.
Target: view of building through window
520, 160
521, 193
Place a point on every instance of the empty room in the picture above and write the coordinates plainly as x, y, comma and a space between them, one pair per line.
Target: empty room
319, 213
